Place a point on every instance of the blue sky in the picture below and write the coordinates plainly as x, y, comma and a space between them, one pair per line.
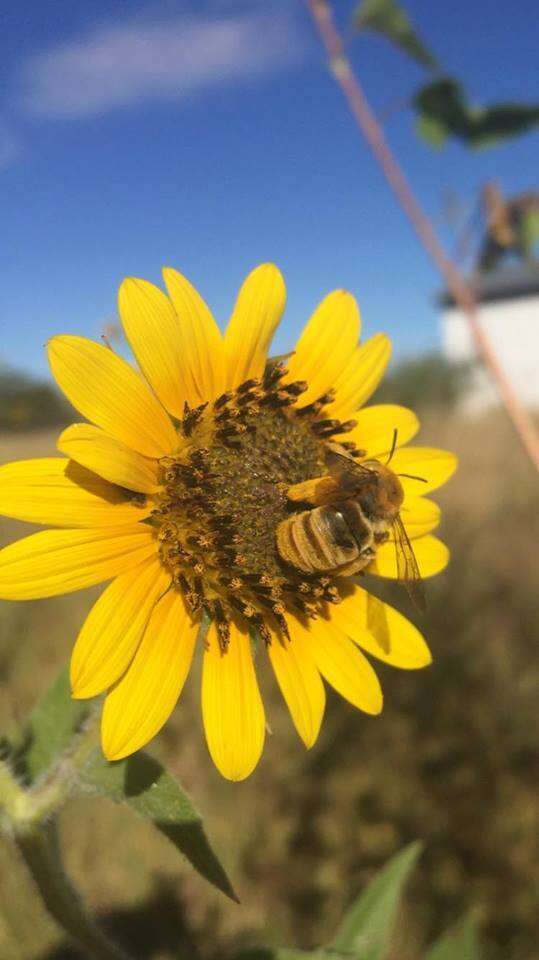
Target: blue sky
209, 136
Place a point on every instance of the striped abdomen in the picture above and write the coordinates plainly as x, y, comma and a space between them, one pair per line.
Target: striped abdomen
325, 538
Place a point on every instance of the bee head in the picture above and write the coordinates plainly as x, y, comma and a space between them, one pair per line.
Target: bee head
385, 497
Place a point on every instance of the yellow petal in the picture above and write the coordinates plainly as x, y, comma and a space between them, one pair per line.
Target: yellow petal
60, 492
153, 330
104, 455
60, 561
232, 708
256, 315
112, 630
431, 554
325, 345
201, 342
358, 380
300, 683
433, 466
420, 516
376, 428
106, 390
380, 630
141, 702
345, 667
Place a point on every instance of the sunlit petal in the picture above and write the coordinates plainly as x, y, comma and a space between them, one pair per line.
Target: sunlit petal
325, 345
299, 681
256, 315
431, 554
106, 390
232, 709
203, 357
56, 491
380, 630
94, 449
113, 628
143, 699
60, 561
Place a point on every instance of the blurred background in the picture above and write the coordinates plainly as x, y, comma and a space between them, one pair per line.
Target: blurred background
210, 136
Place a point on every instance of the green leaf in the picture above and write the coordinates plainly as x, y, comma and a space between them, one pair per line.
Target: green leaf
367, 926
491, 125
50, 728
432, 130
154, 794
529, 232
391, 20
442, 102
443, 105
461, 943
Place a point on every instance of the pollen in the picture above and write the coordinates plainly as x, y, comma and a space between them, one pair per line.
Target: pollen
224, 496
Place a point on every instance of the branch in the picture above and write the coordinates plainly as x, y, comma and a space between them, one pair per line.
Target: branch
462, 294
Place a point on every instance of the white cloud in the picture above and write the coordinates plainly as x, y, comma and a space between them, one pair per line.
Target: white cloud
123, 64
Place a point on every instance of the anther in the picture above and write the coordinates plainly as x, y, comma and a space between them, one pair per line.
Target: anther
282, 624
347, 426
191, 417
324, 428
248, 385
229, 413
273, 373
222, 400
332, 595
263, 631
296, 388
312, 409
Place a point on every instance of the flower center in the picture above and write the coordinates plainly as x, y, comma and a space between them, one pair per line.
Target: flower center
225, 494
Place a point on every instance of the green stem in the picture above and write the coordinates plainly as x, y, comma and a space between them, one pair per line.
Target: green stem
39, 849
11, 793
50, 794
27, 816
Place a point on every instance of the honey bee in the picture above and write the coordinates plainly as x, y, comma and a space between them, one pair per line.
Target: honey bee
355, 508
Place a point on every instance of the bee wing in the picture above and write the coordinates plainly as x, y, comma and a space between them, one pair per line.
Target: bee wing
407, 568
350, 475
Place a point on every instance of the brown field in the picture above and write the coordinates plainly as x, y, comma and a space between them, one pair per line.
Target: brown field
451, 761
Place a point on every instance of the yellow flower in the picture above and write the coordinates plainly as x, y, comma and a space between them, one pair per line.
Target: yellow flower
174, 491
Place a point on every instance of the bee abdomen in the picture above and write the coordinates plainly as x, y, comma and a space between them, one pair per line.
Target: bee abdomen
316, 540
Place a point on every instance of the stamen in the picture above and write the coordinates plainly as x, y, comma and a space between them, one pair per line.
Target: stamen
225, 494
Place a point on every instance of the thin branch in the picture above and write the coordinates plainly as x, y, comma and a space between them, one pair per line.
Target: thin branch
460, 290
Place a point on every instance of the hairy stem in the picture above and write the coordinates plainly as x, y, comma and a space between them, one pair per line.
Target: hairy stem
39, 849
27, 816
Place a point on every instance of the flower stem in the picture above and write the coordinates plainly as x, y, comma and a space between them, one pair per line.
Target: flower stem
27, 816
39, 849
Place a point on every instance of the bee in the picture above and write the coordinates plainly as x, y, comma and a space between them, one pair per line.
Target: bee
355, 508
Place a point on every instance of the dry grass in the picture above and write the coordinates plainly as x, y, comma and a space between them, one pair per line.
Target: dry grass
450, 761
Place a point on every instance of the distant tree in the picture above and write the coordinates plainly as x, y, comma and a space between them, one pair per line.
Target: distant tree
27, 403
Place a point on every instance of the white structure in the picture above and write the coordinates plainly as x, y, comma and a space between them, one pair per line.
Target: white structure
508, 304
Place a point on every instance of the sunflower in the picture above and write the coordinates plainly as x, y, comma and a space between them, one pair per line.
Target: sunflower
174, 491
